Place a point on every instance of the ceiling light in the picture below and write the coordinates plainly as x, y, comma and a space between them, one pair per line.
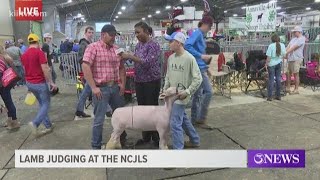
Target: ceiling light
157, 12
79, 15
183, 0
143, 18
225, 11
84, 21
273, 1
308, 8
82, 18
149, 16
119, 12
278, 8
243, 7
117, 17
69, 1
114, 19
317, 1
235, 15
123, 8
168, 7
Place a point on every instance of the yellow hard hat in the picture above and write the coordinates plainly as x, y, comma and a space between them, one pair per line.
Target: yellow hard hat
33, 38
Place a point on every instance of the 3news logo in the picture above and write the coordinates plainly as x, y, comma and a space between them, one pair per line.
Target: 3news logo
28, 10
276, 158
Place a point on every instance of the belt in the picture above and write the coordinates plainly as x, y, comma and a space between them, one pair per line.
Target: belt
110, 83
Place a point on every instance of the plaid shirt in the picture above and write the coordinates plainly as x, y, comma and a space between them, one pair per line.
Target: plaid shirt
104, 62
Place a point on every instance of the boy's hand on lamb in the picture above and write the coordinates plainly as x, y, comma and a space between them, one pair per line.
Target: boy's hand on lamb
182, 95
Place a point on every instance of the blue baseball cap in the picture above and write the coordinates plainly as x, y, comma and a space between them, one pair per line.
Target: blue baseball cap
178, 36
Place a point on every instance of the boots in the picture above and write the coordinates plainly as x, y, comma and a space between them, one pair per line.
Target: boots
12, 124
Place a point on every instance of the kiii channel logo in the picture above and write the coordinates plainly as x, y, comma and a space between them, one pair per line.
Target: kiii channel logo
28, 10
276, 158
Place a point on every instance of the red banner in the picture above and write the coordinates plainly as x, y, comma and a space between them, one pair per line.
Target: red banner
28, 10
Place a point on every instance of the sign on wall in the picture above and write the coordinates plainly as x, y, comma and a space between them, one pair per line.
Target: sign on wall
262, 17
237, 23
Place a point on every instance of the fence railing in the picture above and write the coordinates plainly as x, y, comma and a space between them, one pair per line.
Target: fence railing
70, 67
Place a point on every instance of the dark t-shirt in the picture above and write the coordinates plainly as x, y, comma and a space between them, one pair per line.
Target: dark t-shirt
46, 49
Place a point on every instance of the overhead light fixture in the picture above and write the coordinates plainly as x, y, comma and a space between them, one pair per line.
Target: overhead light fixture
69, 1
85, 21
183, 0
149, 16
308, 8
82, 18
117, 17
273, 1
143, 19
317, 1
157, 12
168, 7
235, 15
225, 11
123, 8
119, 12
278, 8
243, 7
79, 15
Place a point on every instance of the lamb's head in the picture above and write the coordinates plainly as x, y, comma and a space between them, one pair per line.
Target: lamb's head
169, 96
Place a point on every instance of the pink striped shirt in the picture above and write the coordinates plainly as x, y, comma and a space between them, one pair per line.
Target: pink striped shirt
104, 62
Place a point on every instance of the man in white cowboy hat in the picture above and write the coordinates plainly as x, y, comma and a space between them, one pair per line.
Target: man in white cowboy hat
295, 57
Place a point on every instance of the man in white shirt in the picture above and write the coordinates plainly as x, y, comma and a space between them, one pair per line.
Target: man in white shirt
295, 57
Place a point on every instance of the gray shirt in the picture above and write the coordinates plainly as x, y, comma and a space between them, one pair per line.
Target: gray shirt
297, 55
15, 53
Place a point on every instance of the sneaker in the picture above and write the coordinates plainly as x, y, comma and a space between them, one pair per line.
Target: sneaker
109, 114
82, 114
47, 130
188, 144
34, 129
203, 125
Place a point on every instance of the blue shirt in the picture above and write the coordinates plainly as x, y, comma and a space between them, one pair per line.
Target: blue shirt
23, 48
76, 47
196, 46
272, 54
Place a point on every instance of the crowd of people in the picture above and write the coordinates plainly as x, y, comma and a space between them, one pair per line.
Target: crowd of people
104, 72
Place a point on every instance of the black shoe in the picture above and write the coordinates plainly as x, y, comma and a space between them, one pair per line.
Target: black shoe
82, 114
269, 99
156, 144
141, 142
278, 98
109, 114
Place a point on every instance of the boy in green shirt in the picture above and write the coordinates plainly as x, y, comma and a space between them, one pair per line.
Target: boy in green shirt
182, 70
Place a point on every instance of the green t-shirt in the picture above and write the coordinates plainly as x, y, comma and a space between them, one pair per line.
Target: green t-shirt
271, 52
183, 69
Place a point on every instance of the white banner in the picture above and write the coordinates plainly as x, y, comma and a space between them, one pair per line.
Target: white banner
262, 17
237, 23
130, 158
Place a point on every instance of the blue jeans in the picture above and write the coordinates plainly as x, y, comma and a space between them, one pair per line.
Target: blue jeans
201, 100
86, 92
42, 93
179, 122
274, 72
109, 94
5, 93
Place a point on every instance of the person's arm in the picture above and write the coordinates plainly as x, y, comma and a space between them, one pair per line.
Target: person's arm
298, 44
197, 78
167, 80
47, 73
269, 54
88, 74
81, 51
189, 46
122, 73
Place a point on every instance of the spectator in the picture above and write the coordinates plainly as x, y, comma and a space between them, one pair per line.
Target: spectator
147, 73
76, 46
196, 45
295, 58
182, 70
105, 73
15, 53
22, 46
47, 48
38, 77
275, 53
5, 92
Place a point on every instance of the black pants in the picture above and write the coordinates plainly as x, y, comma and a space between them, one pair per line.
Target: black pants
148, 94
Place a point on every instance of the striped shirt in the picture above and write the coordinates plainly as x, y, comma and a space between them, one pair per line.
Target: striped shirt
3, 65
104, 62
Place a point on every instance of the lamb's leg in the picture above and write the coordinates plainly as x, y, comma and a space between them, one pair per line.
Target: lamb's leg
163, 139
114, 141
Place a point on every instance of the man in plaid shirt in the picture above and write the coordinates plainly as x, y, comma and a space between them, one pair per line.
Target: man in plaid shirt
105, 73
